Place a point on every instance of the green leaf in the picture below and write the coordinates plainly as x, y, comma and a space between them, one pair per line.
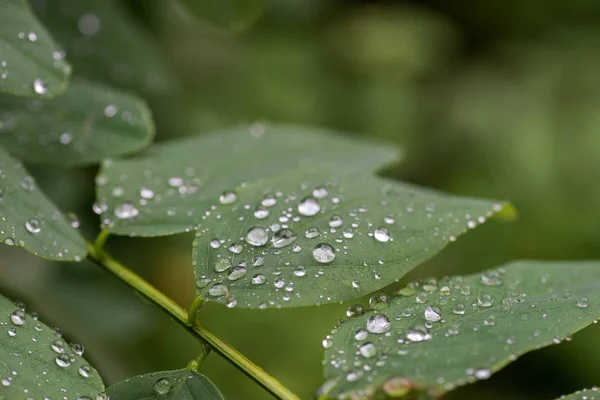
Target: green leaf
588, 394
325, 239
169, 385
439, 334
168, 188
85, 125
30, 220
35, 362
30, 63
104, 43
228, 15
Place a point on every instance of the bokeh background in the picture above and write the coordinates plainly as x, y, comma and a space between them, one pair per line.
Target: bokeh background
495, 98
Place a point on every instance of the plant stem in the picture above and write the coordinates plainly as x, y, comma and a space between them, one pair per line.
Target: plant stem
136, 282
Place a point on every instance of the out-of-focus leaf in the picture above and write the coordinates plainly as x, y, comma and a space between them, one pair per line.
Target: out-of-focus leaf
168, 188
35, 362
172, 385
588, 394
311, 237
104, 43
85, 125
228, 15
438, 334
30, 63
30, 220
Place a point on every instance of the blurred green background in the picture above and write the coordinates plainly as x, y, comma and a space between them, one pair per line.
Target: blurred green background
495, 98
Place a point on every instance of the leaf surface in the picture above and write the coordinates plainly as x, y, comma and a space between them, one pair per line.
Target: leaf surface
88, 123
29, 220
588, 394
30, 62
439, 334
228, 15
168, 188
37, 363
169, 385
311, 236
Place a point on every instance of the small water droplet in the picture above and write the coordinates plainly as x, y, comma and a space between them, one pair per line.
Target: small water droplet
126, 211
259, 279
18, 317
432, 314
222, 265
237, 273
368, 350
33, 225
261, 212
379, 301
361, 334
63, 360
320, 192
215, 243
257, 236
336, 221
355, 310
85, 371
58, 346
217, 290
582, 302
283, 238
39, 86
146, 193
312, 233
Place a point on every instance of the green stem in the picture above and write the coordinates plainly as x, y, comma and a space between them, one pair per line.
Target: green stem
133, 280
101, 239
197, 304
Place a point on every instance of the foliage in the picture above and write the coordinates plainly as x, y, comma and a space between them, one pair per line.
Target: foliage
281, 215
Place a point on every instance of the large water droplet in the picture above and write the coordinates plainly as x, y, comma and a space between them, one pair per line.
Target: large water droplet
323, 253
283, 237
432, 314
126, 211
228, 197
312, 233
259, 279
58, 346
63, 360
18, 317
222, 265
237, 273
378, 323
85, 371
217, 290
261, 212
162, 386
355, 310
361, 334
336, 221
215, 243
368, 350
379, 301
382, 234
33, 225
320, 192
257, 236
309, 207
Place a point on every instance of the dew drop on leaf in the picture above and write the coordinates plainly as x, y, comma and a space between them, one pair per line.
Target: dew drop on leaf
323, 253
227, 197
382, 234
309, 207
257, 236
162, 386
378, 323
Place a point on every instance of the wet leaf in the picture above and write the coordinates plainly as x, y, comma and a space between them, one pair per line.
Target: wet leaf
105, 43
439, 334
228, 15
30, 63
36, 362
588, 394
172, 385
30, 220
88, 123
168, 188
309, 237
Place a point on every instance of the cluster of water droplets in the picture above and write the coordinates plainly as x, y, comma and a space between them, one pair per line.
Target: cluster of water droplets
489, 316
32, 344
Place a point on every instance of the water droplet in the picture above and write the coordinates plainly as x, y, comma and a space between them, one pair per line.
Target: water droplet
261, 212
382, 234
432, 314
162, 386
418, 334
58, 346
12, 332
259, 279
368, 350
237, 273
257, 236
126, 211
327, 343
491, 278
320, 192
269, 201
217, 290
485, 300
85, 371
361, 334
309, 207
312, 233
355, 310
389, 219
236, 248
582, 302
33, 225
63, 360
336, 221
9, 241
222, 265
228, 197
300, 271
378, 323
258, 261
283, 237
39, 86
215, 243
146, 193
379, 301
483, 374
323, 253
18, 317
459, 309
110, 111
77, 348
